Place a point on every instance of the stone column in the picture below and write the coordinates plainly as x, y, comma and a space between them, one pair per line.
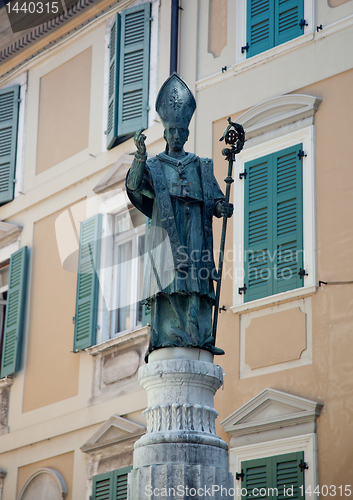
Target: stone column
180, 456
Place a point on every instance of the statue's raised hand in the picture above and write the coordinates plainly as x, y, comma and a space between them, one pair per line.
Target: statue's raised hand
139, 139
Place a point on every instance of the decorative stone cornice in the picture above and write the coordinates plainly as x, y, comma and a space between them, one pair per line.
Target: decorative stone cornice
116, 429
270, 410
115, 174
8, 233
278, 112
121, 342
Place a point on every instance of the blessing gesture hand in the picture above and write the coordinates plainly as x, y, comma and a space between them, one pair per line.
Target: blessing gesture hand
139, 139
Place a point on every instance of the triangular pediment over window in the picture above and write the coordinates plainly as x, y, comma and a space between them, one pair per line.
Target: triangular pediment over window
8, 233
114, 430
115, 174
271, 410
278, 112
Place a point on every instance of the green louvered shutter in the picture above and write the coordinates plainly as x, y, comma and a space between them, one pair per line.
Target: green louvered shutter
273, 474
287, 473
257, 229
87, 283
111, 485
288, 14
260, 26
146, 311
114, 54
288, 217
120, 483
102, 486
9, 106
256, 475
134, 69
14, 312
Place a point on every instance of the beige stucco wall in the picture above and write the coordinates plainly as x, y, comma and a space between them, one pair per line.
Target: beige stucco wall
64, 464
64, 109
51, 367
327, 379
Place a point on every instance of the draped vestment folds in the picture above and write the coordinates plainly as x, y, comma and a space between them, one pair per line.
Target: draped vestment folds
179, 195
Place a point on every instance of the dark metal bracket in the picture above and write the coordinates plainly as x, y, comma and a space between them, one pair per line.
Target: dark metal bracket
303, 465
243, 175
303, 23
242, 290
302, 273
223, 308
245, 48
224, 69
319, 28
301, 154
239, 475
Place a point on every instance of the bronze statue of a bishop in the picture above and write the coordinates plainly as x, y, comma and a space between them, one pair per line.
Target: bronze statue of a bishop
179, 193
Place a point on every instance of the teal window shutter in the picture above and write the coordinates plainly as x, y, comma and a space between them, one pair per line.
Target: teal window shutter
134, 69
113, 85
146, 311
288, 218
14, 315
111, 485
256, 475
9, 107
102, 486
273, 224
267, 477
288, 14
260, 26
258, 229
87, 283
287, 473
120, 483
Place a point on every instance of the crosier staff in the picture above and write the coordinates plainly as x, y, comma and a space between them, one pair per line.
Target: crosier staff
234, 136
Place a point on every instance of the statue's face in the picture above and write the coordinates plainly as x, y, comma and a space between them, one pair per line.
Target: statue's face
176, 137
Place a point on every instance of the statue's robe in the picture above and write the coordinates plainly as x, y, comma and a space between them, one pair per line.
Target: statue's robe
180, 196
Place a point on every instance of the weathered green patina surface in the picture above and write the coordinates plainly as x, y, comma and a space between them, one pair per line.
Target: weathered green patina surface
180, 194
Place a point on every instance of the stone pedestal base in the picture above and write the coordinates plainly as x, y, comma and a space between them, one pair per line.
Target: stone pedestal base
180, 456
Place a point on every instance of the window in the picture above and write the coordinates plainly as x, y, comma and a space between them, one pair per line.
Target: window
274, 193
9, 114
119, 280
129, 249
111, 485
273, 224
263, 25
13, 295
279, 476
271, 435
129, 55
273, 22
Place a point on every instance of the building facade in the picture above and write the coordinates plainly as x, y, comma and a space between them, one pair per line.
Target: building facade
73, 90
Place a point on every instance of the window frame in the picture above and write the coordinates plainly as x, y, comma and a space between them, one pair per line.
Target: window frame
111, 203
305, 442
306, 137
131, 235
241, 33
153, 85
